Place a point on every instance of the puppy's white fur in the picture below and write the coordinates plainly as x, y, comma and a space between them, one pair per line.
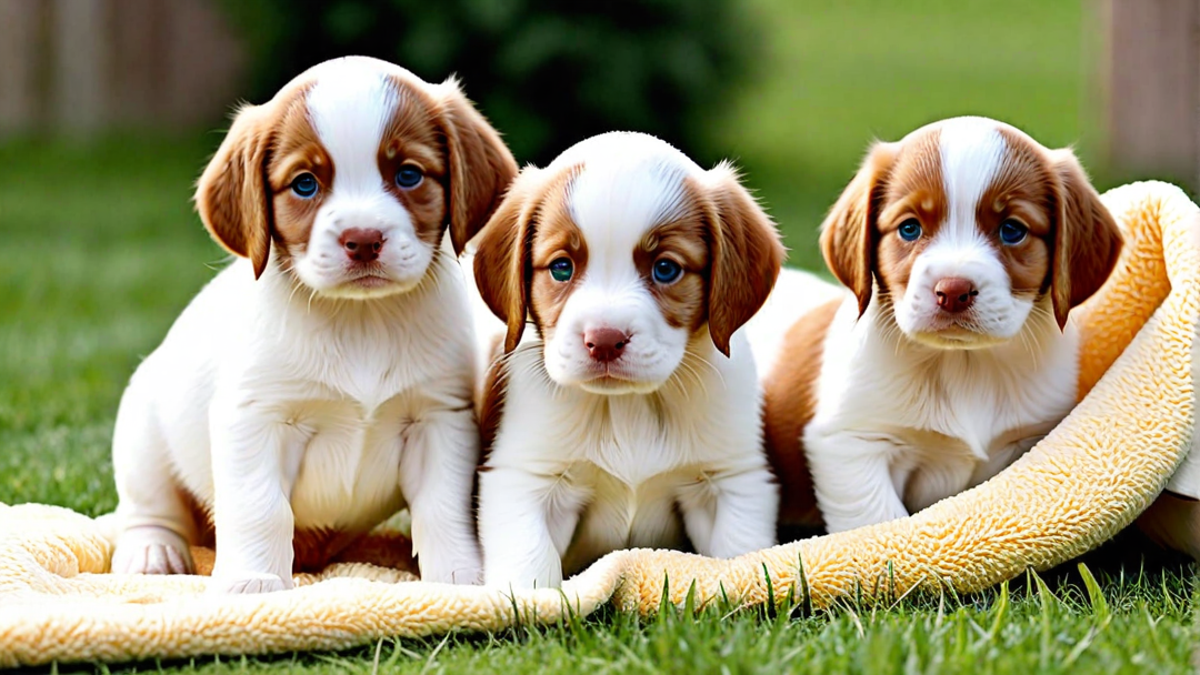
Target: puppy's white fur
582, 465
628, 185
906, 415
349, 108
900, 426
307, 399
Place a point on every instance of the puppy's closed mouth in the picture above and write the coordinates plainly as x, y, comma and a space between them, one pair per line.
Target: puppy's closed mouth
606, 373
955, 335
609, 380
367, 276
370, 280
955, 330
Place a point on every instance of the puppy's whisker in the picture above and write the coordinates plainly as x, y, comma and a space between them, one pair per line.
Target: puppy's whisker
684, 372
296, 286
1029, 343
675, 381
701, 361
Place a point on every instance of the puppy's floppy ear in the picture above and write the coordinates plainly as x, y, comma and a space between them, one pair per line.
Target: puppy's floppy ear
746, 256
848, 234
481, 166
502, 255
1087, 240
232, 195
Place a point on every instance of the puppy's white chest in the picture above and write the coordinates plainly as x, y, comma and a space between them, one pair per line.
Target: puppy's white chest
347, 463
960, 421
626, 486
351, 400
983, 404
964, 424
634, 440
628, 508
629, 472
365, 374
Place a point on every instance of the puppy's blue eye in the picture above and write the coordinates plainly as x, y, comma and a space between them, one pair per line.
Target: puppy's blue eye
305, 185
910, 230
666, 271
562, 269
1012, 232
409, 177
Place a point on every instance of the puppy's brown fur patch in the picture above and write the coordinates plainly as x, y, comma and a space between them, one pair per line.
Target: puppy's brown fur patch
789, 403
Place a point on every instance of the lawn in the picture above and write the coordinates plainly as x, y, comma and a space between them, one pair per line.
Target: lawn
100, 250
841, 73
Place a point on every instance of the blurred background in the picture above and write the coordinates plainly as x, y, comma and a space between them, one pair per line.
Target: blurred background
110, 108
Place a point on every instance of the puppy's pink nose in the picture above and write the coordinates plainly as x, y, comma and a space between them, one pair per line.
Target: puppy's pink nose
362, 245
605, 344
954, 294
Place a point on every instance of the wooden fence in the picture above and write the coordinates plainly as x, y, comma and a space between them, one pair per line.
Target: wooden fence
1152, 73
82, 66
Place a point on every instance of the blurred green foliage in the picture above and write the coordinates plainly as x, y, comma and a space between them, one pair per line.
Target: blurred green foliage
547, 73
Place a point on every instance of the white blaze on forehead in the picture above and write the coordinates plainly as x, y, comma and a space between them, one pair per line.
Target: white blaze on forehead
972, 152
628, 184
349, 104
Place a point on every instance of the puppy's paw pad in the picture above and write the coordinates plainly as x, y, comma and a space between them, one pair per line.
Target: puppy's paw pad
247, 583
151, 551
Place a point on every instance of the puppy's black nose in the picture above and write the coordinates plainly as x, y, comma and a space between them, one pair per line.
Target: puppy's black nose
955, 294
605, 344
362, 245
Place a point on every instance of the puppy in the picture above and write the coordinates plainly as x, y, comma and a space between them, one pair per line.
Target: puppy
629, 416
324, 380
964, 247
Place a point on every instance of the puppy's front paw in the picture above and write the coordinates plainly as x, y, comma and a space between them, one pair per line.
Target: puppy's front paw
151, 550
248, 582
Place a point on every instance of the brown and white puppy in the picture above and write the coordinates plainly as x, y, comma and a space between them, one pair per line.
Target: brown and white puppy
629, 415
324, 380
964, 247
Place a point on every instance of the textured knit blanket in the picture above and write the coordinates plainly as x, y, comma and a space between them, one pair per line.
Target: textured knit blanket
1088, 479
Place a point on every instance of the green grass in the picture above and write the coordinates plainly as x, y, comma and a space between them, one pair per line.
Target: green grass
99, 251
1137, 624
842, 73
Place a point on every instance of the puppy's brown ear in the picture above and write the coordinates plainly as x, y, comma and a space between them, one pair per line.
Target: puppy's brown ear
232, 195
502, 257
848, 234
481, 166
1087, 240
746, 256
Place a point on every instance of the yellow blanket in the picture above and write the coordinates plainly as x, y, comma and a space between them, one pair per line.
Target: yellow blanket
1089, 478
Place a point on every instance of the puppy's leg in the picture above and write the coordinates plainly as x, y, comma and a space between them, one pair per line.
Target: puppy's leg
437, 472
255, 463
524, 525
731, 513
155, 522
852, 480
